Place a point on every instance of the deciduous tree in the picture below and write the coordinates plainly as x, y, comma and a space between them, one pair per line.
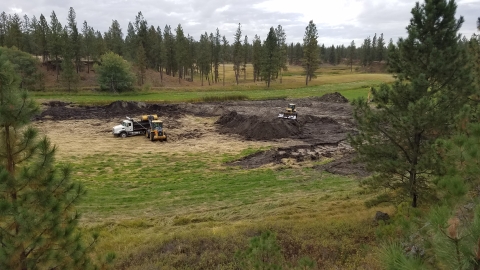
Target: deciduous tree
114, 73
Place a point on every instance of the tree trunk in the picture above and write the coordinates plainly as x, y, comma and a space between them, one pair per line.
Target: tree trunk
161, 74
179, 74
56, 66
201, 75
281, 75
88, 64
223, 73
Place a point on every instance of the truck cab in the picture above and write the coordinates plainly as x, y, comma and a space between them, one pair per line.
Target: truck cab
123, 129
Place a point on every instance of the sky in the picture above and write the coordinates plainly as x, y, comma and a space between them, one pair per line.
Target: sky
338, 21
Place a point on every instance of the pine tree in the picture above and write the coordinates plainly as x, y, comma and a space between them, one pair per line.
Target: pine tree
204, 57
37, 198
42, 36
245, 57
224, 55
310, 61
69, 76
181, 45
216, 54
14, 32
366, 52
170, 51
88, 42
282, 50
99, 45
270, 57
374, 51
141, 63
3, 28
55, 41
114, 38
332, 56
256, 57
131, 44
380, 48
160, 48
27, 35
433, 83
351, 54
75, 38
237, 52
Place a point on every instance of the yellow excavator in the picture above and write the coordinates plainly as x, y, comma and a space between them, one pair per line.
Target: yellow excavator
290, 112
155, 132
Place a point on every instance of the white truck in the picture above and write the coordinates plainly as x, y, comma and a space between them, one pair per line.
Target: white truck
130, 127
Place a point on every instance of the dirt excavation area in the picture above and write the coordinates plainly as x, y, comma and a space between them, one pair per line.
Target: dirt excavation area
320, 131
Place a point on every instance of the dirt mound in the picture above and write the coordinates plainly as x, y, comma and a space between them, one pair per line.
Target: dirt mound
258, 128
298, 153
125, 106
333, 97
56, 103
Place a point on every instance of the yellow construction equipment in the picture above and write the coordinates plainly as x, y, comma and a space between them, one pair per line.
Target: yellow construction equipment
155, 132
290, 112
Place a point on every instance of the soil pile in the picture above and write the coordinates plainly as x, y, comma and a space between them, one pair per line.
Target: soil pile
125, 106
333, 97
257, 128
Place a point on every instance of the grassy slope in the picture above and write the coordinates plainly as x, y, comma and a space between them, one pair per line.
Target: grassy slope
330, 79
190, 211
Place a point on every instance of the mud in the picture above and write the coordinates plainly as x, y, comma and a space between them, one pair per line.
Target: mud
320, 131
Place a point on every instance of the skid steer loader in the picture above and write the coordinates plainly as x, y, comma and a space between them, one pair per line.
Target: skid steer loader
290, 112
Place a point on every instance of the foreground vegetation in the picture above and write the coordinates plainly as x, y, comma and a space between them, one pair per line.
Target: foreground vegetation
179, 210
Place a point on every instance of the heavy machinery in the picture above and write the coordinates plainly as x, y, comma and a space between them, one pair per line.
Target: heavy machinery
130, 127
155, 130
290, 112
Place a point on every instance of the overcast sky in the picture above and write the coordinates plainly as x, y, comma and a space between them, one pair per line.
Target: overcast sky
338, 21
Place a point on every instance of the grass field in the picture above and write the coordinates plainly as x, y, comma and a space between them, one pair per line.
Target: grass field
166, 207
331, 79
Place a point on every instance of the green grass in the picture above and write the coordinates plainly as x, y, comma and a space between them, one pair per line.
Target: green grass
142, 204
349, 89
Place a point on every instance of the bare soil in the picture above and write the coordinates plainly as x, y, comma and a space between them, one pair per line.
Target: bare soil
228, 127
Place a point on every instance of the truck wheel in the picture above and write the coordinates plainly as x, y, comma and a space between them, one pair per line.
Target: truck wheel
147, 134
123, 134
152, 137
165, 137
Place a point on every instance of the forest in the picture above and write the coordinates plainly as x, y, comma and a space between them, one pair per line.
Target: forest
71, 48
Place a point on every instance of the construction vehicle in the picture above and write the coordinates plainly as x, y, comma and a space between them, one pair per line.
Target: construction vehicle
155, 130
290, 112
130, 127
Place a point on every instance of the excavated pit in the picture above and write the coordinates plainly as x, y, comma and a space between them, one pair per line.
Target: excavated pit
320, 131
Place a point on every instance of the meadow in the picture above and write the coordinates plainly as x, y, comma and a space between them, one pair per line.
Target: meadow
177, 205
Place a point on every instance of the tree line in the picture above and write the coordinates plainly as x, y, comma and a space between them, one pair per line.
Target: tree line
170, 51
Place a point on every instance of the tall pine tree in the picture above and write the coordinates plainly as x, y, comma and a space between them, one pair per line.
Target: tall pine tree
433, 83
38, 228
310, 61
